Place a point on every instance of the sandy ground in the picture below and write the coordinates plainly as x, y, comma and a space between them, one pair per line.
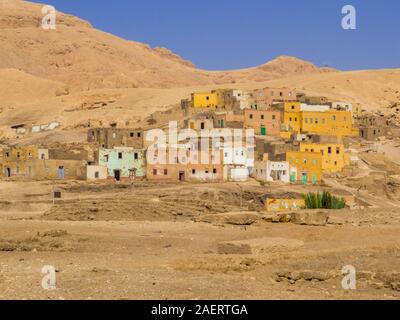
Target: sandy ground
106, 245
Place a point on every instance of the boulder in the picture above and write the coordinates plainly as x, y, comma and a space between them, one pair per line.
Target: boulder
258, 245
310, 218
244, 218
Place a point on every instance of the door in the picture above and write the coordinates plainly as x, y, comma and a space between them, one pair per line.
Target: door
314, 179
182, 176
117, 175
304, 178
8, 172
61, 172
293, 177
263, 131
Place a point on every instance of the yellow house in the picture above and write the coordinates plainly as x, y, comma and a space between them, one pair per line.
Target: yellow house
332, 122
334, 157
292, 115
20, 153
305, 167
204, 100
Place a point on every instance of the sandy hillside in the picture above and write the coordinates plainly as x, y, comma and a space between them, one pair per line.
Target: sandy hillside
85, 58
78, 75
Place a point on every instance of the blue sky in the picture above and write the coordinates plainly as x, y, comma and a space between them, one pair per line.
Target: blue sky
231, 34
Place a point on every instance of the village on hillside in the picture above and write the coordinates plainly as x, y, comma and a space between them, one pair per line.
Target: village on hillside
297, 140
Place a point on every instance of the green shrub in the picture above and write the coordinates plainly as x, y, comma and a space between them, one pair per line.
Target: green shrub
323, 201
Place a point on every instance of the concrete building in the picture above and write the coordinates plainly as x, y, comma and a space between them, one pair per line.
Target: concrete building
109, 138
264, 123
123, 163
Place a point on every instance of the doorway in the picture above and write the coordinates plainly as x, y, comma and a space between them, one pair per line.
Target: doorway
8, 172
181, 176
117, 175
263, 131
61, 172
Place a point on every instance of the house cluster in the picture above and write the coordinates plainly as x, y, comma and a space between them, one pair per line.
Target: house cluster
297, 139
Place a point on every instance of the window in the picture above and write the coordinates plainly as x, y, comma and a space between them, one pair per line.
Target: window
154, 172
306, 120
262, 117
7, 154
193, 171
251, 116
132, 134
139, 134
290, 119
18, 155
97, 175
273, 117
119, 155
136, 156
337, 150
106, 157
207, 98
114, 135
295, 119
305, 161
334, 118
165, 172
214, 171
293, 107
329, 150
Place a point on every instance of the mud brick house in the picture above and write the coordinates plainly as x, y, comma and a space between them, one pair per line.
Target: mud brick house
270, 95
264, 122
123, 163
276, 150
36, 163
109, 138
190, 169
200, 121
373, 126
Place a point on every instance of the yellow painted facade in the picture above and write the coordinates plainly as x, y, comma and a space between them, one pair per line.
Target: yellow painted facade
332, 122
20, 153
334, 157
273, 205
204, 100
305, 167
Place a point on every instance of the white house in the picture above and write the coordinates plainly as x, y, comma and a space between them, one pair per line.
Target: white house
272, 171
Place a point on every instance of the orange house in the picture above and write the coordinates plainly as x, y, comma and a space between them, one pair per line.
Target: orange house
264, 122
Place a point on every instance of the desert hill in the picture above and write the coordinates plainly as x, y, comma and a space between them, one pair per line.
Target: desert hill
85, 58
78, 75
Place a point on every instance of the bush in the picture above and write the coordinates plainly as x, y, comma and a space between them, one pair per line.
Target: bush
323, 201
